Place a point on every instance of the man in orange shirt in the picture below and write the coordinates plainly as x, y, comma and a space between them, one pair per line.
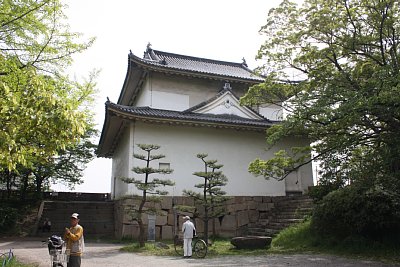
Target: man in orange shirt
75, 241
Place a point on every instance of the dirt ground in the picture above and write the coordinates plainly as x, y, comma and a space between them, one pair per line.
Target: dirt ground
104, 255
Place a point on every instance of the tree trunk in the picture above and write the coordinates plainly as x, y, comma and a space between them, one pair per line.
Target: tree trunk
24, 185
206, 219
39, 183
9, 183
214, 230
141, 231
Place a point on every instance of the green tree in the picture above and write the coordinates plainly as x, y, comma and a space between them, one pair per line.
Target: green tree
148, 185
344, 55
334, 66
212, 198
68, 166
42, 111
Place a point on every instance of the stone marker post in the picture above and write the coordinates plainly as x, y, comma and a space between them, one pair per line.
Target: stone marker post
151, 228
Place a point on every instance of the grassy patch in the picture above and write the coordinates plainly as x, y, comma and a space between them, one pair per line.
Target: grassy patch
296, 239
219, 247
150, 249
15, 263
301, 239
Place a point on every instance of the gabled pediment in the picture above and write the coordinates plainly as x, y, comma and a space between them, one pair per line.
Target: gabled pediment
226, 103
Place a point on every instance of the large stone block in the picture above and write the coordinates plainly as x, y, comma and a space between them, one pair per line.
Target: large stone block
241, 206
258, 199
188, 201
239, 200
170, 219
167, 232
242, 218
166, 203
267, 199
252, 205
229, 223
130, 231
263, 207
178, 200
161, 219
158, 232
254, 215
231, 208
230, 201
200, 225
153, 205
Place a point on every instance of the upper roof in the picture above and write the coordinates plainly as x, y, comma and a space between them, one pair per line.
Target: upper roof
175, 64
196, 66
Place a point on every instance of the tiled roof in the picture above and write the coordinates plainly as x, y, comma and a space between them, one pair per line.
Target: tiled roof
150, 113
195, 65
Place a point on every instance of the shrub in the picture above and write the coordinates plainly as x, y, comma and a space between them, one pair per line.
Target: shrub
355, 210
8, 217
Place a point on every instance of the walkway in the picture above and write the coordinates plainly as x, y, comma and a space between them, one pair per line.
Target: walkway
108, 255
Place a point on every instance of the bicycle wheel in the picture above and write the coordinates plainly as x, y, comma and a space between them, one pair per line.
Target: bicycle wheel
200, 248
178, 245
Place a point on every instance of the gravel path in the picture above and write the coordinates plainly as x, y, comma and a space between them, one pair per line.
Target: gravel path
105, 255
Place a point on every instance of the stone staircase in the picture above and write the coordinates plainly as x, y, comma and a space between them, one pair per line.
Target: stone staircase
287, 211
96, 217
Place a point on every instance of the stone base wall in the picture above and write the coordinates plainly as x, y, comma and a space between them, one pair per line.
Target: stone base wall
240, 211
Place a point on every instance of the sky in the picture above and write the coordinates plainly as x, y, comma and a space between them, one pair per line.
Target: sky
216, 29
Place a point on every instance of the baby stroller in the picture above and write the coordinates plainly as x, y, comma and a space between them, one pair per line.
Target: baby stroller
58, 254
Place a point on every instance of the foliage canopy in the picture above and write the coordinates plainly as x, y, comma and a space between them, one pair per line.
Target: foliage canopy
336, 64
42, 111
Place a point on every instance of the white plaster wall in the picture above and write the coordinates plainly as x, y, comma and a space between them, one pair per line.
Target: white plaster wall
271, 112
234, 149
121, 163
179, 93
301, 179
170, 101
144, 97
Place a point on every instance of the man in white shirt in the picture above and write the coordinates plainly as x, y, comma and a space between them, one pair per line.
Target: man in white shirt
188, 230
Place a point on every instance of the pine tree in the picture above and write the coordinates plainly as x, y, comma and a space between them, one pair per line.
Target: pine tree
213, 197
148, 186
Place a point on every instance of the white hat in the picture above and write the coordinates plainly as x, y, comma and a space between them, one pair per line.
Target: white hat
186, 218
75, 215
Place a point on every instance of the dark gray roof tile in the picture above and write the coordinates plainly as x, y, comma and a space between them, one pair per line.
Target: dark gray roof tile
170, 61
190, 116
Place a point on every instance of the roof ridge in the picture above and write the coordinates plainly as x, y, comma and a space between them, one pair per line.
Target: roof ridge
199, 58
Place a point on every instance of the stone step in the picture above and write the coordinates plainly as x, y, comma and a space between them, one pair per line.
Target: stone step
265, 232
291, 209
286, 212
299, 212
289, 216
285, 221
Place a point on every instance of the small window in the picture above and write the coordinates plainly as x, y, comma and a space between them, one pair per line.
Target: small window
164, 166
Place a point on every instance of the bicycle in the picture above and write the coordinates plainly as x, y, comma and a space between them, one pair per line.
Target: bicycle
199, 246
59, 255
6, 258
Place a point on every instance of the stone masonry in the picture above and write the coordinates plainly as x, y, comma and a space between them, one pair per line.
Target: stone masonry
241, 213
